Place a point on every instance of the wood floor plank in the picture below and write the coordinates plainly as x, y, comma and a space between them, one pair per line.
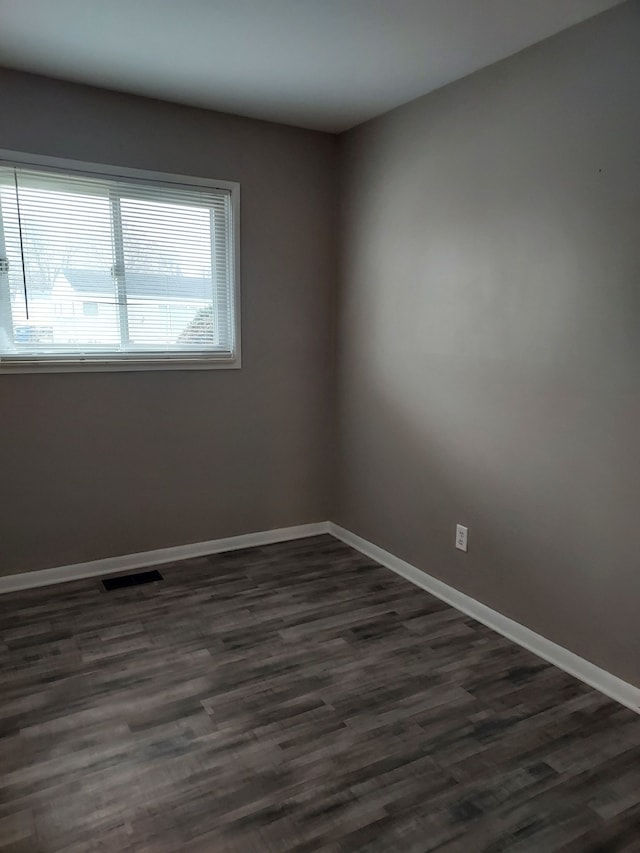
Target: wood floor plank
296, 697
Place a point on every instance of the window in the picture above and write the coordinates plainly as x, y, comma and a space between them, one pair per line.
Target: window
127, 272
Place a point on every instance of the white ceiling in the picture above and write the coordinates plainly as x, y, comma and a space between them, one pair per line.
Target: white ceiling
325, 64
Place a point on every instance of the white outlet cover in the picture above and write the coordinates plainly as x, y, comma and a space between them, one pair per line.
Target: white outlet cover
462, 535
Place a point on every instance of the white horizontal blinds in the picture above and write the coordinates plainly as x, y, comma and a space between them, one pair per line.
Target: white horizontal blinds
108, 267
167, 254
57, 230
222, 263
6, 320
169, 251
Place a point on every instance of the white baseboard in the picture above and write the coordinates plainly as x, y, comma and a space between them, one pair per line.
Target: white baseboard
612, 686
594, 676
127, 562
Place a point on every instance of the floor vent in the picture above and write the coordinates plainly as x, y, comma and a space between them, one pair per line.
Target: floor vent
131, 580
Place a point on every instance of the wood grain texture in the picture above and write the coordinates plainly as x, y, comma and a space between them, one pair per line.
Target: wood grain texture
296, 697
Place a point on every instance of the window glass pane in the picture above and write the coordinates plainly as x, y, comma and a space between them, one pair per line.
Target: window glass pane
167, 261
64, 239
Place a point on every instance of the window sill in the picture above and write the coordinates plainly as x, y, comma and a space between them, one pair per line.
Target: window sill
105, 365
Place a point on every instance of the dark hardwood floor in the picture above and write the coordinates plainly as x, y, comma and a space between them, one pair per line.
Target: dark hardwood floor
296, 697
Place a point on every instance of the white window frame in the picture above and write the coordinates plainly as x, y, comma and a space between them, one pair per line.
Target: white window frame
170, 361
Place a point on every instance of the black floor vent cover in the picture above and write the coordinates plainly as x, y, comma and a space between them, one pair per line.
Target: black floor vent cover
131, 580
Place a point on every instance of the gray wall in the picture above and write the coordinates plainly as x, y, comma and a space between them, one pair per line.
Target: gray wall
489, 361
94, 465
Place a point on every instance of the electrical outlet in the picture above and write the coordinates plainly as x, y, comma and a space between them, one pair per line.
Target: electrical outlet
462, 534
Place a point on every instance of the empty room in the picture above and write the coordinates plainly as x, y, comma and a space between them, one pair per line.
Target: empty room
319, 416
